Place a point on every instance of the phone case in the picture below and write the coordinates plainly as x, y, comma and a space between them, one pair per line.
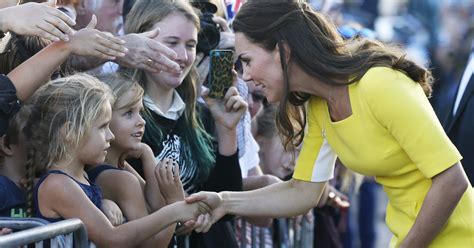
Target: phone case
220, 73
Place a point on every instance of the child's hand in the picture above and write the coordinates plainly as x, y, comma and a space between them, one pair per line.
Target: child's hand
92, 42
198, 211
201, 223
36, 19
167, 175
5, 231
142, 152
112, 212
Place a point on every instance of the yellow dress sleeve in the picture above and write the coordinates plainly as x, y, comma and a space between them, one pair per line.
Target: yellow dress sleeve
316, 159
400, 105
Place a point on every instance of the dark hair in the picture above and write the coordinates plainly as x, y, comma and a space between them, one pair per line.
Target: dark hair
317, 47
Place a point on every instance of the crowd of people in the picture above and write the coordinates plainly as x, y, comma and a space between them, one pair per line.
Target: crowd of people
105, 117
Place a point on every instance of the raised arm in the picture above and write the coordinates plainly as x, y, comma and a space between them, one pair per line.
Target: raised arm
31, 74
37, 19
145, 53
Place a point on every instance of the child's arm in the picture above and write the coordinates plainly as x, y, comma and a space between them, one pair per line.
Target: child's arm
152, 190
149, 185
32, 73
75, 204
37, 19
126, 166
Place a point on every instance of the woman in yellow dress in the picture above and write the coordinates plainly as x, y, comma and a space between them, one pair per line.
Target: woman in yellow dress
357, 100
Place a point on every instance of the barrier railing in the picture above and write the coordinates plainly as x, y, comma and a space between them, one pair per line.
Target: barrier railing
289, 233
36, 231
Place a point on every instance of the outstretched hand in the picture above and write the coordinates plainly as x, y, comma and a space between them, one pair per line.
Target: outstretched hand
214, 201
148, 54
37, 19
92, 42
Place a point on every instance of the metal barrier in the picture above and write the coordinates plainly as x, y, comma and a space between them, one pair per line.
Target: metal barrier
290, 233
35, 230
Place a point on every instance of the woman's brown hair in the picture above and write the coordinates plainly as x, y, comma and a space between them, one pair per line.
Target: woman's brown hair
316, 46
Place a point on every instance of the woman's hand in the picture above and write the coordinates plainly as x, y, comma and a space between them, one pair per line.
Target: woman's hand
148, 54
198, 211
227, 112
214, 201
167, 175
227, 36
37, 19
92, 42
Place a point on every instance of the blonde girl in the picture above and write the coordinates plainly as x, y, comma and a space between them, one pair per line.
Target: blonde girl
69, 128
118, 181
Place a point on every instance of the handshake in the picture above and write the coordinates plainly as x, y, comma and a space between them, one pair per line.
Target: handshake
197, 212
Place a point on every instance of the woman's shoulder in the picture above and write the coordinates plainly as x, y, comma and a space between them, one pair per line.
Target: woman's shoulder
379, 81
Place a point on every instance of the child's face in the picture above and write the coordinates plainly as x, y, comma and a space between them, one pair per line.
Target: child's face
93, 148
127, 123
274, 159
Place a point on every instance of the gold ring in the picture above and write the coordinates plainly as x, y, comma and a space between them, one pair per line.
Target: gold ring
149, 62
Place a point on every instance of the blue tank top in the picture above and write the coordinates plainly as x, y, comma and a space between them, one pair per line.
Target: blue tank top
92, 191
95, 172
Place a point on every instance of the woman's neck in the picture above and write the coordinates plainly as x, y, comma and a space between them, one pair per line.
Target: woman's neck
162, 96
337, 97
303, 82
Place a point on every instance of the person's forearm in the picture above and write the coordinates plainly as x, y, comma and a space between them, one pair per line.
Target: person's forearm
3, 21
84, 63
152, 190
144, 228
283, 199
226, 140
446, 190
31, 74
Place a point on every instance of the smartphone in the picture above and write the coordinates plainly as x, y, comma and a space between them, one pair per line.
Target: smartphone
220, 72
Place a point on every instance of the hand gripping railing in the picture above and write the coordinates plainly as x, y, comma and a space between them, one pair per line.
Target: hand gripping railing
34, 230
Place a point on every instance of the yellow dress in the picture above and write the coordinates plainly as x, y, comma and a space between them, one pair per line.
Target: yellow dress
394, 135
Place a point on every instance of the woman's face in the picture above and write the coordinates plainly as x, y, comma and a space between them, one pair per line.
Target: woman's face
180, 34
260, 66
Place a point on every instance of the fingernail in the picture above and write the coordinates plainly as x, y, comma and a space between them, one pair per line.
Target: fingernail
125, 50
121, 54
65, 38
